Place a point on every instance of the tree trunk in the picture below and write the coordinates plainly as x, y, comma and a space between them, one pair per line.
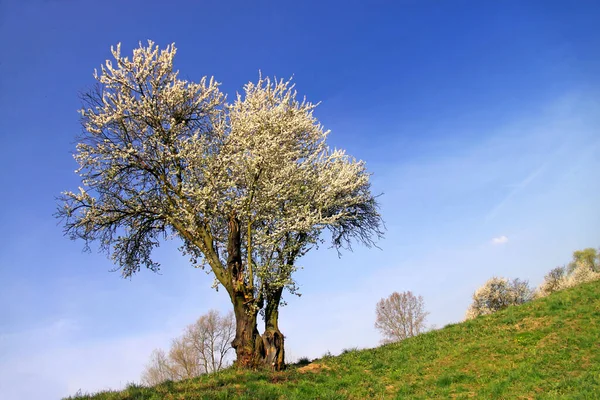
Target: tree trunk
248, 344
273, 338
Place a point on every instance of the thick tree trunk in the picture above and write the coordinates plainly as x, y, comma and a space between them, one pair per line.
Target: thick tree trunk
273, 338
248, 344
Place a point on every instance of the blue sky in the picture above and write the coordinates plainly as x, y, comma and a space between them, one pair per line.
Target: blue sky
478, 119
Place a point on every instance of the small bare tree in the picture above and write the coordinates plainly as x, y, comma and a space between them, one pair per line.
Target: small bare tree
184, 361
158, 369
202, 349
210, 339
400, 316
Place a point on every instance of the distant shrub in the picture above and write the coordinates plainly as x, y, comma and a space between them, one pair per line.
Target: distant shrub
587, 258
553, 281
303, 361
582, 273
585, 267
497, 294
350, 350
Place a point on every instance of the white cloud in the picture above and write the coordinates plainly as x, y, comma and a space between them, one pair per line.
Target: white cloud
500, 240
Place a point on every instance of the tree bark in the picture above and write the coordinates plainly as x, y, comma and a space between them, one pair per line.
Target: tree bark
248, 344
273, 338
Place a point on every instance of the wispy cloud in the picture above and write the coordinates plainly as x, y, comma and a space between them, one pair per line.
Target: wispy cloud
499, 240
516, 189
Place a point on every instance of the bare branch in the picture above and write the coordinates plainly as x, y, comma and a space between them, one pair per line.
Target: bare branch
400, 316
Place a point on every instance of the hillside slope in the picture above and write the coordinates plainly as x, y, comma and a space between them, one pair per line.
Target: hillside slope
548, 348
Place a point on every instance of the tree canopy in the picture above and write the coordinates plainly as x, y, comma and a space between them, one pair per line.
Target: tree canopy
248, 186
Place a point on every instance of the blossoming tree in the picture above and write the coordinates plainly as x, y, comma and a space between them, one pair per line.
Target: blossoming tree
248, 187
497, 294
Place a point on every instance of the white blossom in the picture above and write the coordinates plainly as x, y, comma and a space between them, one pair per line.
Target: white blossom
497, 294
562, 278
162, 157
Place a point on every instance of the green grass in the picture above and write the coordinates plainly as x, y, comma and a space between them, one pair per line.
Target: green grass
545, 349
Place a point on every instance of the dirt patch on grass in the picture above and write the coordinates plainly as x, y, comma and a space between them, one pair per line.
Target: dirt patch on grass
314, 367
551, 339
530, 323
279, 377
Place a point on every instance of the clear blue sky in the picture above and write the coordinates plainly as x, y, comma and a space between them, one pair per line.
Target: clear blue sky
478, 119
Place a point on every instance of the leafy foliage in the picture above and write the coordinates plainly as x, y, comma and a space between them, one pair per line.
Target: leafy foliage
588, 258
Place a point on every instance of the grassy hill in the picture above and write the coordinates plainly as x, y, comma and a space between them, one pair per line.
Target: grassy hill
549, 348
